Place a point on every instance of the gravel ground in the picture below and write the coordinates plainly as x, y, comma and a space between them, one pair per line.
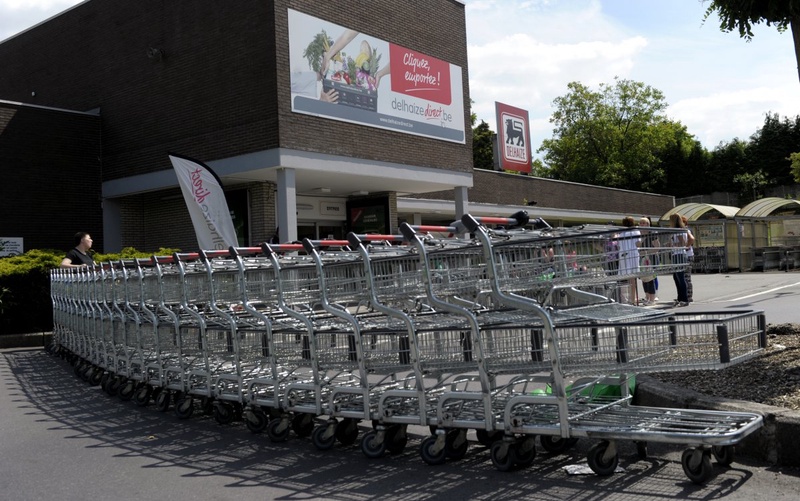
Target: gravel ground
772, 378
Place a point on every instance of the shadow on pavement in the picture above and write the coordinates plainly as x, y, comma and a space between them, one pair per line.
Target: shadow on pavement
44, 389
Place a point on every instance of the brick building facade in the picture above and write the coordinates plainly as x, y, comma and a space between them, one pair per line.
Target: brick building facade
214, 81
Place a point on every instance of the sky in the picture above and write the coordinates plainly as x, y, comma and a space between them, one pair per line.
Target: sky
524, 53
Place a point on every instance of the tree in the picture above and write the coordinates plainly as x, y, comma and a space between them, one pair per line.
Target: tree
769, 148
482, 147
611, 137
539, 169
727, 161
751, 186
795, 159
685, 162
741, 15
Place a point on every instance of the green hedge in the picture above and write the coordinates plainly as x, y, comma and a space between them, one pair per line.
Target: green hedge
25, 304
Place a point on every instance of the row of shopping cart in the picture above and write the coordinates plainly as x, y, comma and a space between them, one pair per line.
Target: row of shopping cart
464, 327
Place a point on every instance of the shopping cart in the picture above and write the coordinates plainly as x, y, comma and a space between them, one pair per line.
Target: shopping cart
603, 349
371, 344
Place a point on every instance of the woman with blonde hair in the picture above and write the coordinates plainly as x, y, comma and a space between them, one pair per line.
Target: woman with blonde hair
679, 242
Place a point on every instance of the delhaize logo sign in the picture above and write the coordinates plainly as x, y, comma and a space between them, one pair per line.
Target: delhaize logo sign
513, 138
341, 74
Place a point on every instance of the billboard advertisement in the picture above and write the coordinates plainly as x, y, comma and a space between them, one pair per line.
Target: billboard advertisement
341, 74
513, 138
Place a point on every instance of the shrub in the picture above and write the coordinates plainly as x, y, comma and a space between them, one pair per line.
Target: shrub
25, 303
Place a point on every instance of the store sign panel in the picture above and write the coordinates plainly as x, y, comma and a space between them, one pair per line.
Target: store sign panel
11, 246
341, 74
513, 138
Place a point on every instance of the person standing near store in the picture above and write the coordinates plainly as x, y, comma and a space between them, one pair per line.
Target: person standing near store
679, 243
689, 258
649, 260
78, 256
629, 242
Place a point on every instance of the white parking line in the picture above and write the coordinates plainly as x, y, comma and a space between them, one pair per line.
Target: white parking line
764, 292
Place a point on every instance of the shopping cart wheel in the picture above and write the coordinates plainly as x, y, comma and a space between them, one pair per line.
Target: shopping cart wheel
724, 454
347, 431
278, 430
487, 438
599, 463
697, 465
641, 450
303, 424
113, 385
184, 407
78, 367
324, 436
256, 420
207, 405
104, 379
431, 452
456, 444
503, 455
372, 445
96, 376
396, 439
525, 452
223, 413
86, 372
142, 395
162, 400
554, 444
126, 390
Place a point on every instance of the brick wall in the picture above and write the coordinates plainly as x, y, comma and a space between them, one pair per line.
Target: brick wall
502, 188
219, 86
51, 176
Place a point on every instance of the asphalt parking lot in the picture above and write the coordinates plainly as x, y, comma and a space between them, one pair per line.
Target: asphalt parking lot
63, 439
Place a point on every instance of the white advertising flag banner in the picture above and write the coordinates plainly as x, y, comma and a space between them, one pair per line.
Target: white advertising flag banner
205, 200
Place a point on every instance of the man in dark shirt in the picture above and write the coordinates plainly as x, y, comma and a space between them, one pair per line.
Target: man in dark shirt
79, 256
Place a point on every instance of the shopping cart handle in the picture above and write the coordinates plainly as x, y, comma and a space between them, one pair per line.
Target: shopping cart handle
186, 256
245, 251
355, 240
275, 248
426, 228
163, 259
144, 261
408, 231
470, 222
519, 218
211, 254
309, 245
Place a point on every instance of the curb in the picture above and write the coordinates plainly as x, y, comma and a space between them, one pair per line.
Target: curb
25, 340
777, 442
